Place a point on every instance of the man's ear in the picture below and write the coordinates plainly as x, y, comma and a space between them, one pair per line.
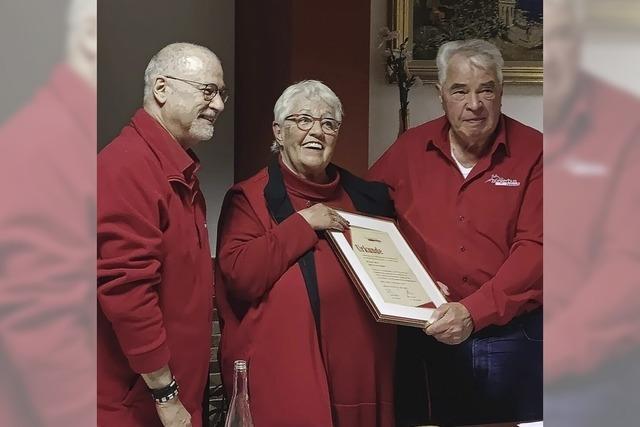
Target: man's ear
277, 132
439, 89
89, 38
160, 90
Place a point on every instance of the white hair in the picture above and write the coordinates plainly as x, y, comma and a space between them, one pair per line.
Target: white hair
481, 53
171, 59
575, 9
78, 12
307, 89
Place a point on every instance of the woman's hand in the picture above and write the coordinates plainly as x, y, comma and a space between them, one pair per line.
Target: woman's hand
322, 217
173, 414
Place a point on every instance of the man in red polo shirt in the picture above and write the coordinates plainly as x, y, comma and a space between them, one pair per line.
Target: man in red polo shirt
467, 188
155, 285
592, 153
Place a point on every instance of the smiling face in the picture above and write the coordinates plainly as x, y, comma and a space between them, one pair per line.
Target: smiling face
471, 97
307, 153
185, 113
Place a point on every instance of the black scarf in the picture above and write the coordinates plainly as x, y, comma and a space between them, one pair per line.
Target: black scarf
367, 196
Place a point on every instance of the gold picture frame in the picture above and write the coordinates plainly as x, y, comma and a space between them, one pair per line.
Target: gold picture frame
514, 71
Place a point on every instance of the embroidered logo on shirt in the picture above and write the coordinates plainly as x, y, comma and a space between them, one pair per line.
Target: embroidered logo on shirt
581, 167
503, 182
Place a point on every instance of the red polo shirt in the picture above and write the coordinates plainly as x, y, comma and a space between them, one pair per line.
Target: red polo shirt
155, 285
481, 236
592, 255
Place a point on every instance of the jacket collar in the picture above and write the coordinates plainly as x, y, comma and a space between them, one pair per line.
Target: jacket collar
77, 96
441, 140
178, 164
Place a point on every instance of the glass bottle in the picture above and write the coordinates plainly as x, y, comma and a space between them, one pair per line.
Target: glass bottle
239, 414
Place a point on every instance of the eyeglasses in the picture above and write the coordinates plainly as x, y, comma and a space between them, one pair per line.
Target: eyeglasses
305, 123
209, 90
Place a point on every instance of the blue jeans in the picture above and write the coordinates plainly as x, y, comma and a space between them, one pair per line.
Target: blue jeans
608, 396
494, 376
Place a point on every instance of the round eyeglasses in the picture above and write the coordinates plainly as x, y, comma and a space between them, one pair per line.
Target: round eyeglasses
209, 90
305, 122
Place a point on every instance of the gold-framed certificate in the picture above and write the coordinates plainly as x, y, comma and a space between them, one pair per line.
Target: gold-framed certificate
395, 285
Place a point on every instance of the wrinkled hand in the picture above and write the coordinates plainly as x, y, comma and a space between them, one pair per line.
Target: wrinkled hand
322, 217
450, 323
173, 414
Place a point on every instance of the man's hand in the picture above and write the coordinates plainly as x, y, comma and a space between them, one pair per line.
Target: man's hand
451, 323
173, 414
322, 217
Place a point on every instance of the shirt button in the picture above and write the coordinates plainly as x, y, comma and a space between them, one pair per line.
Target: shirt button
308, 203
465, 279
461, 218
462, 249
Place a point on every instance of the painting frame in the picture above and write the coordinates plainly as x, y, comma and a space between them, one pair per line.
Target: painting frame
401, 20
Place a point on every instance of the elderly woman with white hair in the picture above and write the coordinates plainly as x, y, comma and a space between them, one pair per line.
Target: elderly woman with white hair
316, 355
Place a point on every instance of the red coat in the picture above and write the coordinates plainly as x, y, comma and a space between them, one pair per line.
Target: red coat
267, 319
47, 252
154, 274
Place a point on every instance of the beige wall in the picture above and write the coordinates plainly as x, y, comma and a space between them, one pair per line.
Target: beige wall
29, 50
523, 102
129, 33
612, 56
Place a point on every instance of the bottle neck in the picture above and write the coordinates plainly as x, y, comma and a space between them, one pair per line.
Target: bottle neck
240, 386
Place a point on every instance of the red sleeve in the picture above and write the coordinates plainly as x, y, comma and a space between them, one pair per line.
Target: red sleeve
252, 258
518, 283
600, 322
129, 260
47, 271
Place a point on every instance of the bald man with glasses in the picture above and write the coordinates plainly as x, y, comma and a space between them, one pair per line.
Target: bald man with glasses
155, 284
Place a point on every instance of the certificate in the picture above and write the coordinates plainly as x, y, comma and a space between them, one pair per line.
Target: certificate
394, 284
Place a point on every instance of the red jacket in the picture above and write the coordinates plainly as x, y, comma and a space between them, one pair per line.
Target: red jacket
481, 236
267, 318
47, 252
155, 285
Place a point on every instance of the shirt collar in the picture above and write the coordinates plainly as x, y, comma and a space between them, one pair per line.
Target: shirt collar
577, 120
77, 96
580, 113
179, 164
442, 143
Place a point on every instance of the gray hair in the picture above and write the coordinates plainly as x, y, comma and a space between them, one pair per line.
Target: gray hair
574, 9
481, 53
307, 89
170, 60
78, 12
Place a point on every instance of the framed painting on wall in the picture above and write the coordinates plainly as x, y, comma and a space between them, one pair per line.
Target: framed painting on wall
515, 26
